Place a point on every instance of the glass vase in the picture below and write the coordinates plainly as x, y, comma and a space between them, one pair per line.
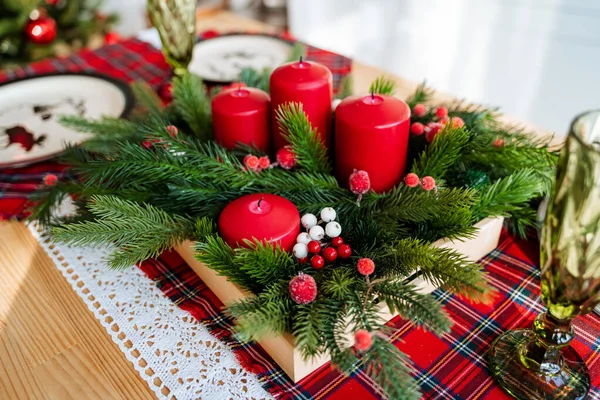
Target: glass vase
175, 21
539, 363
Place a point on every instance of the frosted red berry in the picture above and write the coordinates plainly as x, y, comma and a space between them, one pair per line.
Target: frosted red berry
428, 183
147, 144
411, 180
337, 241
303, 289
330, 254
50, 179
498, 143
359, 182
419, 110
314, 247
344, 251
251, 162
165, 92
264, 162
172, 131
363, 340
441, 112
365, 266
431, 130
286, 158
458, 122
417, 128
317, 261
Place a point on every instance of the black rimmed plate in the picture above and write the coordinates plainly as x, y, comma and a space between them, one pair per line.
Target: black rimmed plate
221, 59
30, 109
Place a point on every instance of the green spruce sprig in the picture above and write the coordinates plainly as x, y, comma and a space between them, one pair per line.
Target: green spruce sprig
383, 85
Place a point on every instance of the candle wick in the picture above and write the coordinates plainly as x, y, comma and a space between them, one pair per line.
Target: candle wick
300, 59
372, 95
259, 201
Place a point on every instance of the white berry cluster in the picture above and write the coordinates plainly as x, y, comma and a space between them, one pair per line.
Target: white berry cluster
315, 230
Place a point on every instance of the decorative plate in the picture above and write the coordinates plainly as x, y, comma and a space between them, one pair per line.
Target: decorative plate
30, 109
221, 59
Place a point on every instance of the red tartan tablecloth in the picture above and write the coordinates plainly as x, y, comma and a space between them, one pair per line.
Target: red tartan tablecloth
450, 367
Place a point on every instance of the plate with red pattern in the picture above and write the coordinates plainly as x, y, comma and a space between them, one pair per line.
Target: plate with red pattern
30, 110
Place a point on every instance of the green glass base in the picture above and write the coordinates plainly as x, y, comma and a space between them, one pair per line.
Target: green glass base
565, 377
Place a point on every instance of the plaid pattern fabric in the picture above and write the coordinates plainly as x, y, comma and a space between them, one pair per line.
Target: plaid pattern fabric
450, 367
129, 60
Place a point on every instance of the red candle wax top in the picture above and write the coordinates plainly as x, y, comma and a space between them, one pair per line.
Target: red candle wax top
266, 217
373, 110
241, 101
302, 75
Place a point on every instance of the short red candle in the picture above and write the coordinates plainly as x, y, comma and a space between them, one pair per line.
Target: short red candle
371, 134
266, 217
241, 115
305, 82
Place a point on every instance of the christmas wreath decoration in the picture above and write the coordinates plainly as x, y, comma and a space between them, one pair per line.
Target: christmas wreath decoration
150, 182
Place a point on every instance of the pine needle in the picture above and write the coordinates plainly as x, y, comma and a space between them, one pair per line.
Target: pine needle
383, 85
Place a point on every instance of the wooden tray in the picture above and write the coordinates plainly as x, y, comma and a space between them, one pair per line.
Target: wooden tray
282, 348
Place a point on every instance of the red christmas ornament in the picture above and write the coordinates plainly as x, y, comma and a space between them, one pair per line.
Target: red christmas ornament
498, 143
337, 241
419, 110
317, 262
359, 182
363, 340
344, 251
264, 162
314, 247
458, 122
286, 157
251, 162
165, 92
431, 130
303, 288
111, 38
417, 128
411, 180
365, 266
441, 112
303, 260
41, 31
428, 183
50, 179
172, 131
330, 254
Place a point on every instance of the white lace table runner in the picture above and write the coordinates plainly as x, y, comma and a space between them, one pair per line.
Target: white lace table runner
174, 353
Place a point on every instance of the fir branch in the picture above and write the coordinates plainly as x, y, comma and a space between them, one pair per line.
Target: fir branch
340, 284
387, 366
383, 85
218, 256
139, 231
193, 105
421, 95
256, 79
310, 152
442, 153
421, 309
148, 99
264, 263
306, 327
105, 130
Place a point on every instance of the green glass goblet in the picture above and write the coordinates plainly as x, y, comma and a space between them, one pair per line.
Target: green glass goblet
175, 21
539, 363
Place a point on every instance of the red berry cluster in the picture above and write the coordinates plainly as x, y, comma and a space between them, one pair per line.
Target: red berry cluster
412, 180
286, 159
323, 254
432, 129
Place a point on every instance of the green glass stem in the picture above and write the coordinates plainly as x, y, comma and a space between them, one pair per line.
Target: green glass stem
551, 335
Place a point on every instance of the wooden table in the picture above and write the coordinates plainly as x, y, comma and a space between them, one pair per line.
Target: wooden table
51, 345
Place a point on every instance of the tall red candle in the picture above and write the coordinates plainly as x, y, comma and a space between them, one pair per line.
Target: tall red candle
371, 134
241, 115
305, 82
266, 217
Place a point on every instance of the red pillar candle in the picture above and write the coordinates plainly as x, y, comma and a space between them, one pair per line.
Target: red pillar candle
305, 82
266, 217
241, 115
371, 134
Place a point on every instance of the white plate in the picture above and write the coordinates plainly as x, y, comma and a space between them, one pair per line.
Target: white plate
30, 109
221, 59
